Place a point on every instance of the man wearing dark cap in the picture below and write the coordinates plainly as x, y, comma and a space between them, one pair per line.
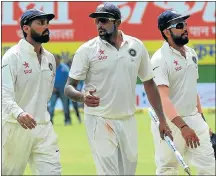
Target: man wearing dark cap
109, 64
28, 72
175, 68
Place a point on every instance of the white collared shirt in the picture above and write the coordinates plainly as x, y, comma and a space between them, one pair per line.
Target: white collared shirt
180, 74
26, 85
113, 73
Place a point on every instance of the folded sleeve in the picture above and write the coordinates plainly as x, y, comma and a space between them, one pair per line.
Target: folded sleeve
80, 64
145, 71
161, 71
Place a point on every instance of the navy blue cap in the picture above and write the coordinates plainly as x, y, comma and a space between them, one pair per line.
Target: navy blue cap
31, 14
106, 10
167, 17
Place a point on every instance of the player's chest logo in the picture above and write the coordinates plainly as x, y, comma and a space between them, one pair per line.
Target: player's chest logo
177, 66
102, 55
27, 70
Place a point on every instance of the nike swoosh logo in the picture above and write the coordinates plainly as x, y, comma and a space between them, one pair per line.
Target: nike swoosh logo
4, 65
155, 67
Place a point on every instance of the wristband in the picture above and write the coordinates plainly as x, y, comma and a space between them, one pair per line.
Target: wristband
183, 126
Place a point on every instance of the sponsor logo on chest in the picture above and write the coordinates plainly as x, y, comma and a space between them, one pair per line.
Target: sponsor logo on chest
102, 55
26, 68
177, 66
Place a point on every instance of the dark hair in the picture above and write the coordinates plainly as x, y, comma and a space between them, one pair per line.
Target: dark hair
164, 36
29, 24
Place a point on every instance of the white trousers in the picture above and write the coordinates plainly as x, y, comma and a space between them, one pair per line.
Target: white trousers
201, 157
113, 144
37, 146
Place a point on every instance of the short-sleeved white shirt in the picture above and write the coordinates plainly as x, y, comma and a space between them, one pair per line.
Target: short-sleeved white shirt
180, 74
113, 73
27, 85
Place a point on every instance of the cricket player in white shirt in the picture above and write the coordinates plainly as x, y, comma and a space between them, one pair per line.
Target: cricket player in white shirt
109, 64
175, 68
28, 73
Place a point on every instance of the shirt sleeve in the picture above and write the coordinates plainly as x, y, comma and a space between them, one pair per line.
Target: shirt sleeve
80, 64
9, 75
160, 69
145, 71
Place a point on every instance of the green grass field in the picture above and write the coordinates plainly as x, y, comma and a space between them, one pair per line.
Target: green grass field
76, 157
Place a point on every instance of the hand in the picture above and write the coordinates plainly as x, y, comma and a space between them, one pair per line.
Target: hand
91, 100
26, 121
165, 130
190, 137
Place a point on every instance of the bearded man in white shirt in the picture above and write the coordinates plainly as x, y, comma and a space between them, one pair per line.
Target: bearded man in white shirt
28, 72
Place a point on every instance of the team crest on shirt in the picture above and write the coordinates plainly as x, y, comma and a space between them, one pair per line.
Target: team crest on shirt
50, 66
132, 52
194, 59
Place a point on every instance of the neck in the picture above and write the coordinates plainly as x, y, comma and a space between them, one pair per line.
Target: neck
36, 45
116, 39
181, 49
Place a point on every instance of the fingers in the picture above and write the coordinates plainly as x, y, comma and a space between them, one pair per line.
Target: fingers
169, 133
26, 121
91, 100
193, 142
92, 91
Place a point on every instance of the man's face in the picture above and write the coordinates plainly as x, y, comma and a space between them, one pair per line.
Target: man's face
105, 27
179, 33
39, 31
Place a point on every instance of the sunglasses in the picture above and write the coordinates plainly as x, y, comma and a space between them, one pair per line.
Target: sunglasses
181, 25
103, 20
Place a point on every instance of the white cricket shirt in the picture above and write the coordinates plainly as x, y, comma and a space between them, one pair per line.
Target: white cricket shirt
26, 85
113, 73
180, 74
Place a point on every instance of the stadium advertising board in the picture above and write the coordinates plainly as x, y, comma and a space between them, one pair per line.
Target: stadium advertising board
139, 19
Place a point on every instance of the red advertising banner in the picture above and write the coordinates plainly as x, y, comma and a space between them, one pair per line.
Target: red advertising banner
139, 19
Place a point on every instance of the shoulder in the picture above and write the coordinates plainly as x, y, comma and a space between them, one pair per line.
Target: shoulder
85, 47
191, 50
134, 40
12, 54
49, 55
158, 57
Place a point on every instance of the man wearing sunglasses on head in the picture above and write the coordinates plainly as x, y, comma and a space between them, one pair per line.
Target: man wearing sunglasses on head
109, 64
175, 68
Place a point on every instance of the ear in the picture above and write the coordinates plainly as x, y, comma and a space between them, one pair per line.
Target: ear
118, 22
25, 28
166, 33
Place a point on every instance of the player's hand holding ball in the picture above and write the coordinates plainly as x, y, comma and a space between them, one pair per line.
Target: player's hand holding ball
91, 100
26, 120
190, 136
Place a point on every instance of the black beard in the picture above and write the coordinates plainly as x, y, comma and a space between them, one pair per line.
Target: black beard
107, 36
178, 40
40, 38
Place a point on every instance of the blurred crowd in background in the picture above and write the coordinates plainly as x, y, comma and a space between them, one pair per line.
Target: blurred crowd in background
62, 71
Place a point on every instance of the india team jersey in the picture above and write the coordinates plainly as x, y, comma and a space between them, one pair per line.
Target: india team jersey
180, 75
113, 73
26, 85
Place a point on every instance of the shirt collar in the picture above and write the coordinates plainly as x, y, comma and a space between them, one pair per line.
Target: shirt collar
125, 39
28, 47
171, 49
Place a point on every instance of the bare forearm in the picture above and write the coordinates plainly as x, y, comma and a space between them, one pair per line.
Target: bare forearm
169, 108
73, 94
154, 98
